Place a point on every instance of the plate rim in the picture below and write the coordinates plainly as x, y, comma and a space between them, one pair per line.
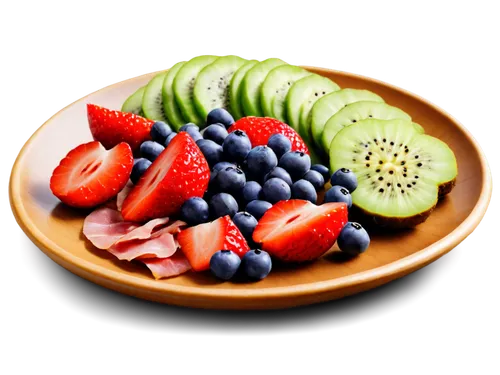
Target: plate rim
392, 270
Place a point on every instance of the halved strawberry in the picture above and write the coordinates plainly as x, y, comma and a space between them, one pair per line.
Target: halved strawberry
199, 243
112, 127
179, 173
259, 129
89, 175
298, 231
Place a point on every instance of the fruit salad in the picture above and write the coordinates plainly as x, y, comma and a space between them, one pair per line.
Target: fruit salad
225, 165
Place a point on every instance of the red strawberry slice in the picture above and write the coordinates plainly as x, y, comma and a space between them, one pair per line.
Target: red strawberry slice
259, 129
179, 173
89, 175
298, 231
112, 127
199, 243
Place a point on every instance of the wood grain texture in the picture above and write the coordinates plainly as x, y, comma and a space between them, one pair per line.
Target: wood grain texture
57, 229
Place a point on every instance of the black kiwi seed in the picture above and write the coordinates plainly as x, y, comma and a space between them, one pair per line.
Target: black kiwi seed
353, 159
399, 185
384, 140
416, 156
370, 116
419, 164
381, 190
324, 92
288, 83
380, 178
374, 140
380, 162
392, 143
405, 175
416, 177
209, 88
403, 162
367, 158
395, 155
391, 172
370, 153
408, 186
367, 165
407, 151
402, 191
378, 170
353, 121
388, 184
316, 94
414, 183
382, 149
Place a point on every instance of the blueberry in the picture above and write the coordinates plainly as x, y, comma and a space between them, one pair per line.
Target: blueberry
279, 144
303, 189
151, 150
223, 204
297, 163
315, 178
275, 190
140, 166
169, 139
256, 264
222, 165
338, 194
224, 264
221, 116
185, 127
346, 178
258, 208
323, 170
353, 239
246, 223
194, 132
195, 211
236, 146
260, 161
160, 131
215, 133
279, 173
251, 191
219, 124
230, 179
211, 150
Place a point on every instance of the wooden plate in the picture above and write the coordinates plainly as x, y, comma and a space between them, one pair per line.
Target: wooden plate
57, 230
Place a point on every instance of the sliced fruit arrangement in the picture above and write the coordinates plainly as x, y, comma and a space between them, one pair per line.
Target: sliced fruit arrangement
401, 172
246, 192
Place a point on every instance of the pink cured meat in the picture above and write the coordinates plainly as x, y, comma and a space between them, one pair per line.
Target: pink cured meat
168, 267
104, 226
160, 245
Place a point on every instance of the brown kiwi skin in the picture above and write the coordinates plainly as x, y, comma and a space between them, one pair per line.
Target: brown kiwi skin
370, 219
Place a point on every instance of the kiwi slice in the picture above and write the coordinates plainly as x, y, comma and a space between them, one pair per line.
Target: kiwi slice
170, 107
401, 173
133, 104
250, 89
275, 88
184, 82
300, 99
358, 111
211, 89
235, 89
152, 101
330, 104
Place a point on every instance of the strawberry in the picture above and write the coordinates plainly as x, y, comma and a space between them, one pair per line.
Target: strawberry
298, 231
112, 127
199, 243
178, 173
89, 175
259, 129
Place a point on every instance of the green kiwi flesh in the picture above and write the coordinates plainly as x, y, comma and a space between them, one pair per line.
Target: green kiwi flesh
235, 89
170, 107
133, 104
355, 112
211, 89
401, 173
330, 104
275, 89
152, 100
184, 83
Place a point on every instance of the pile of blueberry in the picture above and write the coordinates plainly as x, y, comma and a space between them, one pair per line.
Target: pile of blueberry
255, 264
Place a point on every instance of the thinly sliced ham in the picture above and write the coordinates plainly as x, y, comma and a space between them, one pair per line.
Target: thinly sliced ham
152, 243
123, 194
158, 246
105, 226
168, 267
